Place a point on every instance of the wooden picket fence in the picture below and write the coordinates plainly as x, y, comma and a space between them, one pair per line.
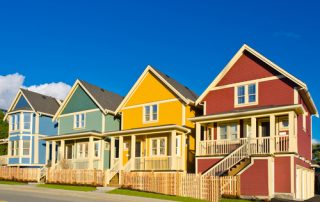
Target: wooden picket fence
182, 184
20, 174
76, 177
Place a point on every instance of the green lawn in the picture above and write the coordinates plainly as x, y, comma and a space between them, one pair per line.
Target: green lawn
67, 187
164, 197
12, 182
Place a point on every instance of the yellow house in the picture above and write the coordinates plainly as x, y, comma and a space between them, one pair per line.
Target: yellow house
155, 134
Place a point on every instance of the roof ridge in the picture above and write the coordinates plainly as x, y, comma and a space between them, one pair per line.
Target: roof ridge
82, 81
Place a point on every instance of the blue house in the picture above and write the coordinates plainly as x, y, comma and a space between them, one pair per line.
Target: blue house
30, 119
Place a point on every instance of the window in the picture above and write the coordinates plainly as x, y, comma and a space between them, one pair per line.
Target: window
12, 148
228, 131
27, 121
79, 120
82, 150
283, 123
15, 122
69, 151
96, 149
158, 146
246, 94
15, 148
150, 113
26, 147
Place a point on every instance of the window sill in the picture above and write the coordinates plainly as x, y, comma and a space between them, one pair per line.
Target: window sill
245, 104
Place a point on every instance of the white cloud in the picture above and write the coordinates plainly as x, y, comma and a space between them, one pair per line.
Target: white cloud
10, 84
315, 141
58, 90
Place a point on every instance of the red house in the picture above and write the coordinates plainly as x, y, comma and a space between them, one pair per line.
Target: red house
257, 124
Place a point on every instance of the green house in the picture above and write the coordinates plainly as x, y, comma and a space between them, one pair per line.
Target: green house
85, 115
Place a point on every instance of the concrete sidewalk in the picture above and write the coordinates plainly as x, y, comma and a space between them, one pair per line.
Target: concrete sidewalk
25, 193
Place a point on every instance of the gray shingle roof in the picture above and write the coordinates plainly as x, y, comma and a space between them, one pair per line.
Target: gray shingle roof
183, 90
41, 103
108, 100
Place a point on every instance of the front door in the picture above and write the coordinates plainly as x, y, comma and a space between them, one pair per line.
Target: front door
138, 149
264, 129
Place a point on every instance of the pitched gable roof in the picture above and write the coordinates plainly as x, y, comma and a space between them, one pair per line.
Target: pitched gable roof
38, 102
107, 101
183, 92
302, 85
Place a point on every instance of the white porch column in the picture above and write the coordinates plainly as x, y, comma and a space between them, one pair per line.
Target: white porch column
253, 127
90, 152
292, 136
120, 152
53, 152
62, 148
101, 160
272, 133
198, 138
133, 151
173, 149
47, 151
112, 151
183, 152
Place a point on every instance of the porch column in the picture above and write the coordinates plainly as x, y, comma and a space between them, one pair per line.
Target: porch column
53, 152
47, 152
198, 138
272, 133
133, 151
112, 151
292, 137
62, 154
90, 153
183, 152
101, 160
120, 152
173, 149
253, 127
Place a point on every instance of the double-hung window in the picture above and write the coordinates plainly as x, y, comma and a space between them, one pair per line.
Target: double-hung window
26, 147
246, 95
15, 148
15, 122
158, 146
82, 150
69, 151
27, 121
228, 131
96, 149
150, 113
79, 120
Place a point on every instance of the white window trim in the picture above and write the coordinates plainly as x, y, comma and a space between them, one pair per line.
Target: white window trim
15, 129
158, 146
28, 155
94, 149
151, 113
22, 120
75, 121
66, 151
228, 130
79, 146
246, 95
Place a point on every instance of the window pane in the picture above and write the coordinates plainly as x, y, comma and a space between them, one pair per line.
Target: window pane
233, 131
252, 89
86, 150
154, 112
285, 123
82, 121
252, 98
18, 121
96, 149
26, 147
154, 147
241, 91
27, 120
162, 146
241, 100
223, 132
69, 151
147, 113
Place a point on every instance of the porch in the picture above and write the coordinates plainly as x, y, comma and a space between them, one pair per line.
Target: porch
77, 152
266, 134
150, 149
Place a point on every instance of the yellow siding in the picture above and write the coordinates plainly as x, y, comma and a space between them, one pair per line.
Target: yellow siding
150, 90
190, 113
168, 113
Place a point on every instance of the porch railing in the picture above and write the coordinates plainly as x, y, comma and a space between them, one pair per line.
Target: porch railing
260, 145
79, 163
158, 163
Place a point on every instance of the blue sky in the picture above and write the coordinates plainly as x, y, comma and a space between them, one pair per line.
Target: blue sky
110, 43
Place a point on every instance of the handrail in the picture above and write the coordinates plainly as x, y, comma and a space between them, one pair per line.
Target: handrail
113, 171
228, 162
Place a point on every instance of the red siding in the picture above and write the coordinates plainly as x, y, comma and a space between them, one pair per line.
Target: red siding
271, 93
254, 181
282, 175
245, 69
205, 164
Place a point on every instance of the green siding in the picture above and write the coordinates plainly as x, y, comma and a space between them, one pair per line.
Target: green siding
79, 101
112, 123
93, 123
106, 160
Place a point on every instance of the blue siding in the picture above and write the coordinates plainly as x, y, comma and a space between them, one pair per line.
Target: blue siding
22, 104
47, 127
13, 160
14, 138
25, 160
42, 152
26, 138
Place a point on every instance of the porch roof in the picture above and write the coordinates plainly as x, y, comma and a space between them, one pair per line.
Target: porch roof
74, 135
249, 112
163, 128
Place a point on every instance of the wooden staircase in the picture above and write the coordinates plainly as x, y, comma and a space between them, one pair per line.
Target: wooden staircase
114, 182
239, 167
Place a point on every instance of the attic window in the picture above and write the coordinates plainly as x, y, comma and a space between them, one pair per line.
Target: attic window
246, 95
